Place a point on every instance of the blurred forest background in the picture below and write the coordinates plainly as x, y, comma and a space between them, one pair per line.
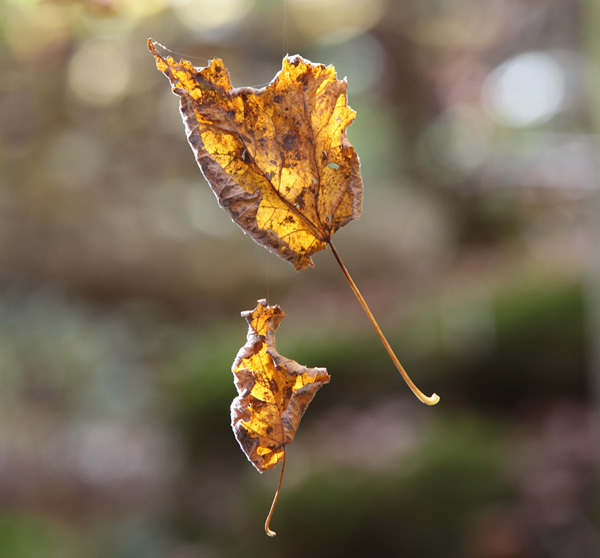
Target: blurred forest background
121, 283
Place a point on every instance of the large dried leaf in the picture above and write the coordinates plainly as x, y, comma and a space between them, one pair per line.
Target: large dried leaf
277, 158
274, 391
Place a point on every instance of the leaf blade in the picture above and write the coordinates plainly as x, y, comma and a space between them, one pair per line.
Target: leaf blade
277, 158
273, 391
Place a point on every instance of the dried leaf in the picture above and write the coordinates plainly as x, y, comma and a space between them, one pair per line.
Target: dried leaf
274, 391
277, 158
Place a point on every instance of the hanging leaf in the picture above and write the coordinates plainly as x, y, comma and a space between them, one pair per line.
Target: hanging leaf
274, 393
277, 158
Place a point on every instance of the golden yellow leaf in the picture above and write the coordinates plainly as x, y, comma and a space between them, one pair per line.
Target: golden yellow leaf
274, 391
277, 158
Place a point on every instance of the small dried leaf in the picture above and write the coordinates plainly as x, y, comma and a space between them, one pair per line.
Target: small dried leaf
274, 391
277, 158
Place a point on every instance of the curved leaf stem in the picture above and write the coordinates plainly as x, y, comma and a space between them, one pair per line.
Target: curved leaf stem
428, 400
267, 529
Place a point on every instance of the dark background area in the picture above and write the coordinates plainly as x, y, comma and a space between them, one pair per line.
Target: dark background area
121, 284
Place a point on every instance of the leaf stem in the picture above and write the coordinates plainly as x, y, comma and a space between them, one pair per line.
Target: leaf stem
267, 529
431, 400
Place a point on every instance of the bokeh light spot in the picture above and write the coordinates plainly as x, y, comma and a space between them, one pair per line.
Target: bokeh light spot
212, 15
317, 18
99, 73
526, 90
137, 9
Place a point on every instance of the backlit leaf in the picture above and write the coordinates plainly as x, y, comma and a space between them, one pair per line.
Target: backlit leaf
274, 391
277, 158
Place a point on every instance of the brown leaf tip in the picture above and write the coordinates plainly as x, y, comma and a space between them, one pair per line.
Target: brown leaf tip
264, 320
